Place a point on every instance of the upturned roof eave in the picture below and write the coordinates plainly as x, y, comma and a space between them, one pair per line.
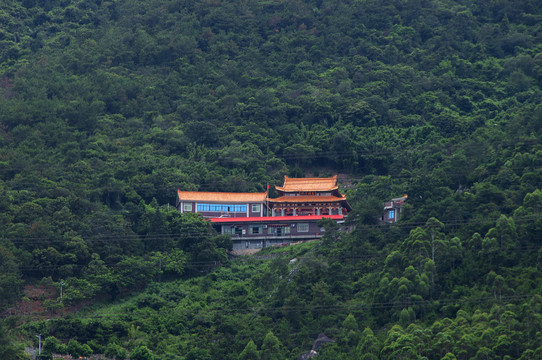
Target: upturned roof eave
283, 189
308, 184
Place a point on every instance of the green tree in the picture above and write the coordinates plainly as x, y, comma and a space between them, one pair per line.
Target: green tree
115, 351
506, 232
86, 351
272, 348
250, 352
8, 348
174, 262
75, 349
349, 331
434, 226
449, 356
141, 353
399, 345
51, 345
10, 278
369, 347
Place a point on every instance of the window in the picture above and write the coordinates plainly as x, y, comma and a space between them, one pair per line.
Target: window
187, 207
255, 207
222, 208
278, 230
391, 214
255, 229
303, 227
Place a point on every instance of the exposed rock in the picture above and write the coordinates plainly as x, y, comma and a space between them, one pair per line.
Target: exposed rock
308, 355
320, 341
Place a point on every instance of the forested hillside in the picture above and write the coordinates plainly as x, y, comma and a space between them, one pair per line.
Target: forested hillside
107, 107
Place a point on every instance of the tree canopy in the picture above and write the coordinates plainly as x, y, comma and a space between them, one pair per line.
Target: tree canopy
107, 107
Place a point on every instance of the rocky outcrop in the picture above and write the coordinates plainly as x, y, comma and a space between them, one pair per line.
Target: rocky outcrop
320, 341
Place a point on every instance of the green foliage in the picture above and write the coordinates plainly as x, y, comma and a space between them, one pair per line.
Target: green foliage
141, 353
108, 108
115, 351
86, 351
272, 348
250, 352
10, 350
75, 349
10, 278
51, 345
368, 347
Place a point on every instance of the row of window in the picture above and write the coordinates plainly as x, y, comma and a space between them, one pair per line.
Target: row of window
221, 207
259, 229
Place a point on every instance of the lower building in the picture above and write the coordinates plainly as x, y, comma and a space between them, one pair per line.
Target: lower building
260, 232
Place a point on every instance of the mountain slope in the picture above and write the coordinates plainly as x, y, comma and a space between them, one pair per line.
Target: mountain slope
108, 107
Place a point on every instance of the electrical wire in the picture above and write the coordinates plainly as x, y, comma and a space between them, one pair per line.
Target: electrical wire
190, 235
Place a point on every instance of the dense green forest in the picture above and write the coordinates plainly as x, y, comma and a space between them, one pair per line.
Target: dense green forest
107, 107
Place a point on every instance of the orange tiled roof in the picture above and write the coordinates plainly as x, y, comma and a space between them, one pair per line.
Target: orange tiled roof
307, 199
222, 197
308, 184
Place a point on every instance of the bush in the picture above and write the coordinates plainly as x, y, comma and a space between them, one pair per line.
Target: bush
74, 348
51, 345
115, 351
86, 350
141, 353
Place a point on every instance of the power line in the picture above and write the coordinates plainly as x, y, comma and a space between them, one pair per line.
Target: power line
352, 306
215, 263
189, 235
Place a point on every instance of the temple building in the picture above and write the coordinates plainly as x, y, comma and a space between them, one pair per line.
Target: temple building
222, 204
254, 220
309, 196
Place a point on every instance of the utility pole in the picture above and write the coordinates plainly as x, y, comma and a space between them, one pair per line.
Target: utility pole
39, 346
62, 283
